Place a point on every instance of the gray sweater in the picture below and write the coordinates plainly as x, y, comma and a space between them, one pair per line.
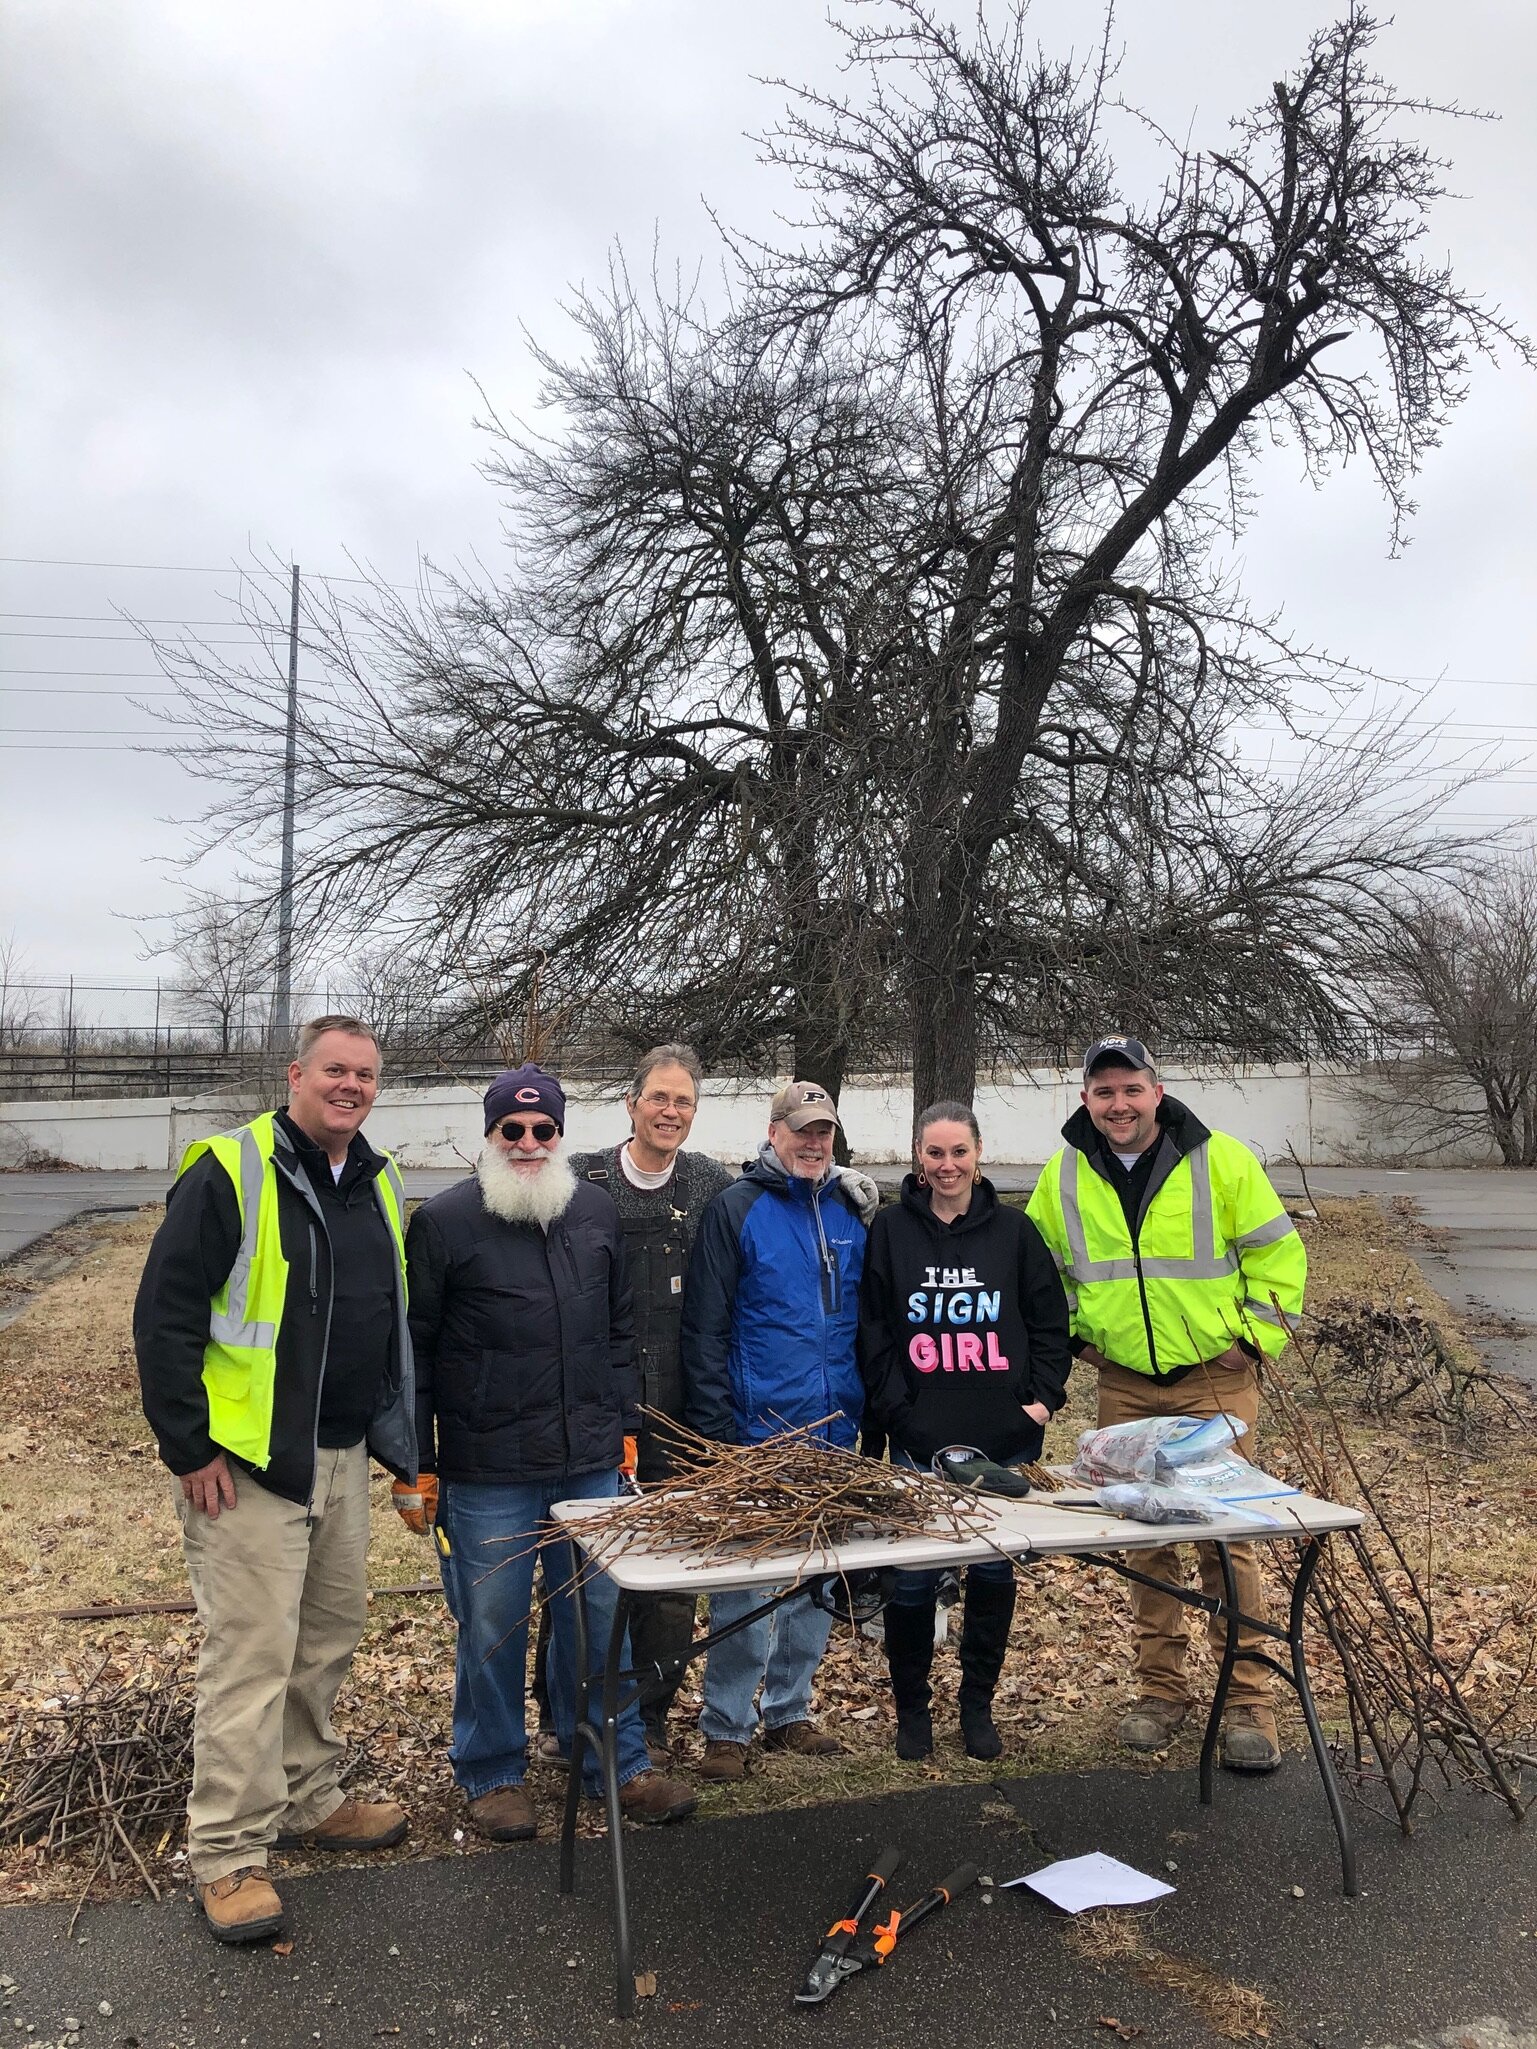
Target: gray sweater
706, 1178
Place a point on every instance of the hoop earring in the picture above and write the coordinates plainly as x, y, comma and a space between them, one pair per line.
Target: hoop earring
922, 1178
976, 1177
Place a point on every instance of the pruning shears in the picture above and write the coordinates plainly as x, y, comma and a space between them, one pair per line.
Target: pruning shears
846, 1951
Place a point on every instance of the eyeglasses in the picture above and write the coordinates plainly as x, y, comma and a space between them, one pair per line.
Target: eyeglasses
669, 1102
513, 1128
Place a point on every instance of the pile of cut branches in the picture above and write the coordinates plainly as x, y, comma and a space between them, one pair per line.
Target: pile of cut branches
793, 1494
103, 1771
1413, 1720
1395, 1358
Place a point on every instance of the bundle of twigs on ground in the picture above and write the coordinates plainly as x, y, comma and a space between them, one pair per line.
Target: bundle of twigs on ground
1411, 1718
792, 1494
1394, 1359
103, 1770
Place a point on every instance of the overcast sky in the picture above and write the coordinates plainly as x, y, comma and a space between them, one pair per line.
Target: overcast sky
254, 255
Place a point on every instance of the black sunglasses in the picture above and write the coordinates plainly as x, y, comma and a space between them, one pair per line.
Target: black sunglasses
512, 1129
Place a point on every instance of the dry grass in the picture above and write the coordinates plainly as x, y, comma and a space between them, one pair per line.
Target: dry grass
86, 1515
1115, 1939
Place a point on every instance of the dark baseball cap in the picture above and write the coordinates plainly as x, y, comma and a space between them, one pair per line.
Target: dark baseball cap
1114, 1051
801, 1103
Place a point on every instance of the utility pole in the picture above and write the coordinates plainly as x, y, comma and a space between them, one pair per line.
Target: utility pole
282, 1002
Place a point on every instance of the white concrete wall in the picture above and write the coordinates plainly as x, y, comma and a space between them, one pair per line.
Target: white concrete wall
1327, 1117
133, 1132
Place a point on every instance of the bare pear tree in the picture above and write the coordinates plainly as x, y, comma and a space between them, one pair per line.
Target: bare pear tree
1100, 372
866, 671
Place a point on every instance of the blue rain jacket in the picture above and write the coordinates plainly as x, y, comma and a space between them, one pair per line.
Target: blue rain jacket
771, 1309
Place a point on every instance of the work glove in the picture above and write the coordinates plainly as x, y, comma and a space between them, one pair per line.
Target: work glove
630, 1458
860, 1190
417, 1506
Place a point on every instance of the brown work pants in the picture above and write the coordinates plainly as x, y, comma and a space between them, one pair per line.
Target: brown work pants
283, 1600
1159, 1620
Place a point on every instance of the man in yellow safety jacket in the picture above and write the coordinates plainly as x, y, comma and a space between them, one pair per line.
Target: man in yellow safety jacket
1183, 1271
274, 1356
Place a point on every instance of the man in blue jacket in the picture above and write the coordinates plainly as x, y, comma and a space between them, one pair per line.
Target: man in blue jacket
770, 1314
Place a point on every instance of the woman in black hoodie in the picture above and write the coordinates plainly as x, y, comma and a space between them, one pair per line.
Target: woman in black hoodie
963, 1339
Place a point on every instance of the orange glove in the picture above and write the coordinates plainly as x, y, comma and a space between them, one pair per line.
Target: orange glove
417, 1506
631, 1458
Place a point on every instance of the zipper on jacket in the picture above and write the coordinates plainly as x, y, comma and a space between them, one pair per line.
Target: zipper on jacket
828, 1261
314, 1260
298, 1181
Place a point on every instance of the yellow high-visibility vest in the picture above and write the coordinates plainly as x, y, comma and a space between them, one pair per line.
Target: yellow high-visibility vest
1217, 1258
240, 1358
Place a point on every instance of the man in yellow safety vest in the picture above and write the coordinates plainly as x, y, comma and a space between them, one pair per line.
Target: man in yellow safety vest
274, 1356
1183, 1272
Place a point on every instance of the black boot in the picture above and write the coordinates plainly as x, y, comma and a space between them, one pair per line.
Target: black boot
909, 1653
984, 1639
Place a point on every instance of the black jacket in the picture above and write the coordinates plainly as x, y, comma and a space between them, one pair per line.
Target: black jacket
524, 1339
190, 1260
960, 1325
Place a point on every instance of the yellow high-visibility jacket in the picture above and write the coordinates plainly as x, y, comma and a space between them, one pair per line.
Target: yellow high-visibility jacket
1214, 1259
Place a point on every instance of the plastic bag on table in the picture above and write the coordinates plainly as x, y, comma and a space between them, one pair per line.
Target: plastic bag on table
1146, 1501
1154, 1447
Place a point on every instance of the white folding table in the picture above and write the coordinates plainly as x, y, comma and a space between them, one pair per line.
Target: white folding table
1039, 1526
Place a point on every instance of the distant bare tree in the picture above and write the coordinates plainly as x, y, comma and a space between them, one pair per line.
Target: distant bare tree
224, 950
1457, 976
20, 1011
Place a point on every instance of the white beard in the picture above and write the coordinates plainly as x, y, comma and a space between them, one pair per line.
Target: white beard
524, 1198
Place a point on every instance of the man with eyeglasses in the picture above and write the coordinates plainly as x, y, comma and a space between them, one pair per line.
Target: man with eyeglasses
526, 1392
660, 1191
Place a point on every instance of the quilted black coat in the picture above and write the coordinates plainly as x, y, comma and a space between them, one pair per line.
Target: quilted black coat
524, 1339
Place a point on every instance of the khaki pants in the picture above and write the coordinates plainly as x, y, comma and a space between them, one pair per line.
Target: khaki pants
283, 1601
1158, 1619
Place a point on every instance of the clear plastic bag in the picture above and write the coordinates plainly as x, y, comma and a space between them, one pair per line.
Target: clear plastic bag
1154, 1448
1145, 1501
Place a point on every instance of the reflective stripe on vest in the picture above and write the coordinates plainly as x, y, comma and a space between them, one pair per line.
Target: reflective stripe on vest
234, 1325
240, 1358
1205, 1262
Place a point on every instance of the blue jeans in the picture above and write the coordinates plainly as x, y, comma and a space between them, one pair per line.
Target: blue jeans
781, 1652
488, 1580
917, 1589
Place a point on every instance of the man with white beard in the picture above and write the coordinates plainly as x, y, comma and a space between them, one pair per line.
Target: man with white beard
526, 1394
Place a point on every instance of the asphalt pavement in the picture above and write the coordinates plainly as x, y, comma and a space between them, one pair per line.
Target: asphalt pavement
483, 1953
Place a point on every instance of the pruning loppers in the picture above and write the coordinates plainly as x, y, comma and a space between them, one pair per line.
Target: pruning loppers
845, 1952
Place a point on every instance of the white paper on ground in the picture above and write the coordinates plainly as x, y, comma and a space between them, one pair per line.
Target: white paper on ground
1077, 1883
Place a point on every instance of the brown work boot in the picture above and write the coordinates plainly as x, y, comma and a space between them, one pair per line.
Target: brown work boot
242, 1906
658, 1749
356, 1825
547, 1747
723, 1762
1152, 1724
1250, 1741
801, 1739
650, 1798
506, 1815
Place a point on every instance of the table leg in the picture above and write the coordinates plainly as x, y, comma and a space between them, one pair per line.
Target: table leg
582, 1632
1224, 1674
1306, 1567
624, 1986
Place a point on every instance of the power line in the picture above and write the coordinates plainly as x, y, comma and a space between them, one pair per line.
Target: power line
129, 639
119, 619
200, 569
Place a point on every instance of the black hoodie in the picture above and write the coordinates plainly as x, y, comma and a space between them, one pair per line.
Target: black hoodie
960, 1325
